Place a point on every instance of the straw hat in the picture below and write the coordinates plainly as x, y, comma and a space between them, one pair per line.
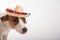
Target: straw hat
17, 12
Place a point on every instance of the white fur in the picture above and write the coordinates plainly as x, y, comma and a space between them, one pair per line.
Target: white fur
20, 26
3, 31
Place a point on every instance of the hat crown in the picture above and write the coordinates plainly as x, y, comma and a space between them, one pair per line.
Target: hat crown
18, 8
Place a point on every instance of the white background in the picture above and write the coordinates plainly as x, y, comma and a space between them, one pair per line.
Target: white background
43, 23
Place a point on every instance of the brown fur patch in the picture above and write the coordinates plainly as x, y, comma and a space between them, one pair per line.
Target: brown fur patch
13, 21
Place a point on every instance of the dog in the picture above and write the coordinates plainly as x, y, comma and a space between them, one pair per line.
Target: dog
13, 19
8, 22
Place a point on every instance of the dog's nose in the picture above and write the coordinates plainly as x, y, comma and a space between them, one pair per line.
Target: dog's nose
24, 29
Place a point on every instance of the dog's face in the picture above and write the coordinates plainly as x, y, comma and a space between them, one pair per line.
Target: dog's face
15, 22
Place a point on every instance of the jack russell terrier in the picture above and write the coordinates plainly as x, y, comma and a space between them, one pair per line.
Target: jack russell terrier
14, 19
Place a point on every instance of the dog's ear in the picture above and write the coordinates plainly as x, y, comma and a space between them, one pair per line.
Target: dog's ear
5, 18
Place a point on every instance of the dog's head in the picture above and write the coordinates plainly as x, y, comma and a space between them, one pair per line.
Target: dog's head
15, 22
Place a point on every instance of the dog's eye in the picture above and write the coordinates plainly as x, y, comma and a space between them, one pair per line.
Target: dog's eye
15, 20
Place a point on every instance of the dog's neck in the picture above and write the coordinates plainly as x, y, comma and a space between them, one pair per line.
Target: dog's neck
6, 24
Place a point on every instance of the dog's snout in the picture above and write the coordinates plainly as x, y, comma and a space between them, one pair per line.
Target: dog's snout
24, 30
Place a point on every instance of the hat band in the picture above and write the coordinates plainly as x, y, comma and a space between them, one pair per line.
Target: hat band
12, 11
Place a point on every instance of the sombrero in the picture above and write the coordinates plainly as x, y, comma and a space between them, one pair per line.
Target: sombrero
17, 12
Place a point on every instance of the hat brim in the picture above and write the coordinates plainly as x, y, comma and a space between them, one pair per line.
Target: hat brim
18, 15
